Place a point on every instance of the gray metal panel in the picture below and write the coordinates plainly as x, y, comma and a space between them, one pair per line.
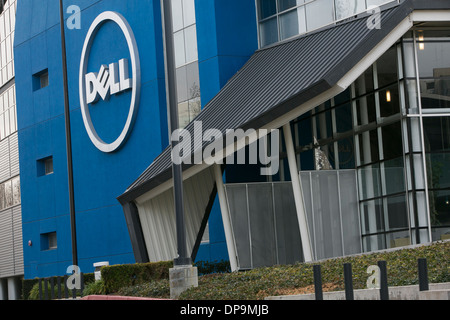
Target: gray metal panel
6, 244
17, 238
279, 78
5, 172
14, 154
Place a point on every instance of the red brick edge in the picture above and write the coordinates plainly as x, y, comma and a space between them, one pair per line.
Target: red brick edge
106, 297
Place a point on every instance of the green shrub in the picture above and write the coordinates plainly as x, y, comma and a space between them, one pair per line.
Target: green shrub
119, 276
262, 282
206, 267
94, 288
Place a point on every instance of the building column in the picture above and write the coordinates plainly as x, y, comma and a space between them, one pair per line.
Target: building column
226, 217
298, 194
3, 290
14, 288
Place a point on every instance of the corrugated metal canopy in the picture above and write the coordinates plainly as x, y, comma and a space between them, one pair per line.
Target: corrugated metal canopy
279, 78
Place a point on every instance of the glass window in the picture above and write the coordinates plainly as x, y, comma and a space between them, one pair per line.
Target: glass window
389, 101
368, 147
370, 181
180, 53
394, 176
289, 25
190, 35
267, 8
177, 15
319, 13
189, 12
434, 60
287, 4
392, 141
397, 213
436, 133
387, 68
269, 32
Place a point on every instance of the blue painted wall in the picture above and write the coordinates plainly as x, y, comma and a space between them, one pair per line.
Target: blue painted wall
226, 31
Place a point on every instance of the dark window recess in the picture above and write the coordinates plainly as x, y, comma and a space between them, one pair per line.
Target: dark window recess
49, 241
45, 166
40, 80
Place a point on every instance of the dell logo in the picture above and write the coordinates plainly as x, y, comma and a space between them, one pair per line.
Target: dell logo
110, 80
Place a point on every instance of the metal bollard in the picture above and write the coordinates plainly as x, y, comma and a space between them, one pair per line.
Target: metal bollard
348, 281
423, 274
318, 282
384, 291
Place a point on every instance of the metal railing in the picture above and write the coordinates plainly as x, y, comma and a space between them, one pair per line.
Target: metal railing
56, 288
383, 283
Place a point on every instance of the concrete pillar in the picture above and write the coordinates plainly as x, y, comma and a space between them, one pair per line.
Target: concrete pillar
181, 279
14, 288
298, 194
226, 218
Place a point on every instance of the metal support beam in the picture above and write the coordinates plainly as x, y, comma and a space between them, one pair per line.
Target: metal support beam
298, 194
183, 258
68, 139
226, 217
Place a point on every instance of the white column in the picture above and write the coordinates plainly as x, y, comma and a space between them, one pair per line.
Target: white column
298, 194
225, 217
13, 288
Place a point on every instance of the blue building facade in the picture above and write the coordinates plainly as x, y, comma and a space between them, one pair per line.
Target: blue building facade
226, 38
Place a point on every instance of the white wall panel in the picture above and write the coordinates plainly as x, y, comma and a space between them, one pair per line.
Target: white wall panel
158, 217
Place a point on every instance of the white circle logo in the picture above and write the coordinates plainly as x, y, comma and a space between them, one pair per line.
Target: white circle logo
109, 80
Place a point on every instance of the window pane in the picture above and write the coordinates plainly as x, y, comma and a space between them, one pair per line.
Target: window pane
183, 114
434, 60
435, 93
365, 110
345, 8
440, 210
368, 147
182, 87
267, 8
16, 191
438, 170
436, 133
394, 175
194, 108
346, 153
397, 213
343, 115
180, 55
319, 13
193, 81
177, 15
289, 24
392, 141
286, 4
191, 43
269, 32
387, 68
189, 12
370, 181
389, 101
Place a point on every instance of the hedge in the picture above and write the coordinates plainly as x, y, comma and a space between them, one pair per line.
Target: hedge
116, 277
287, 279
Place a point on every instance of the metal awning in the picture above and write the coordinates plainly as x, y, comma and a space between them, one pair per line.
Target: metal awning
287, 79
278, 79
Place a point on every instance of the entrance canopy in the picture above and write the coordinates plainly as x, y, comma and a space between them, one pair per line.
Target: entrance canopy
280, 83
